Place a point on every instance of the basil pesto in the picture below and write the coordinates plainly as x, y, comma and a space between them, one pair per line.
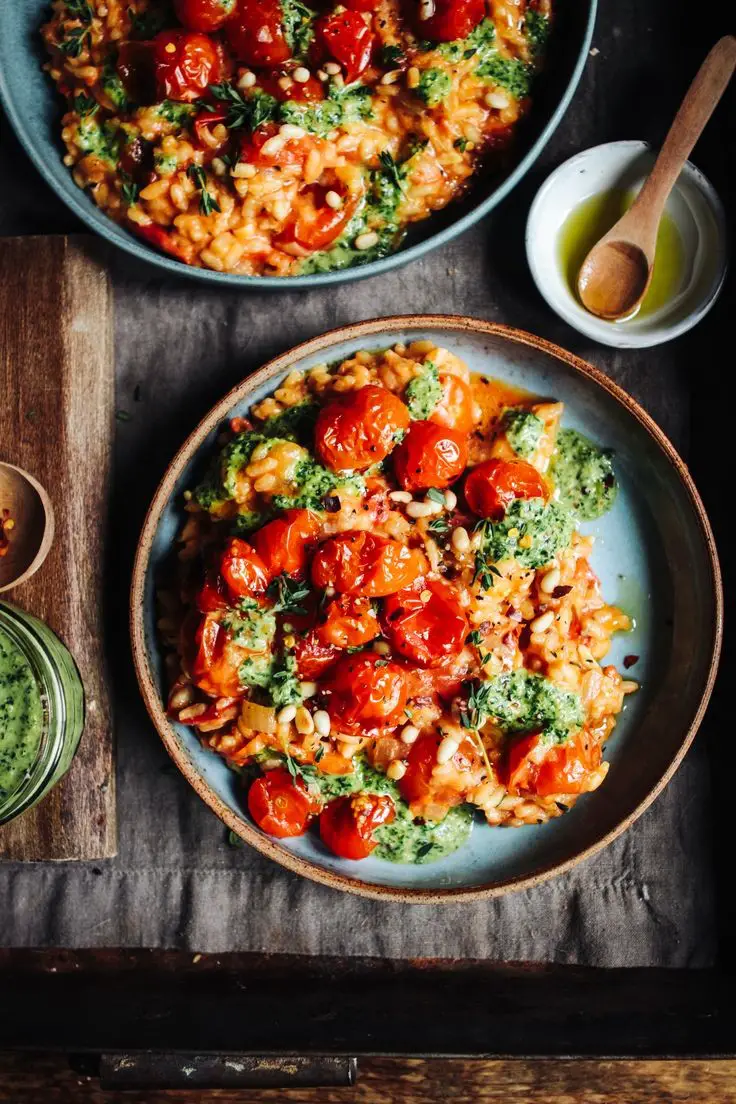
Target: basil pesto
21, 717
523, 430
532, 532
423, 392
583, 475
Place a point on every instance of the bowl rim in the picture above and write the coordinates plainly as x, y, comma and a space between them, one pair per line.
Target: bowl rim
356, 332
77, 201
606, 333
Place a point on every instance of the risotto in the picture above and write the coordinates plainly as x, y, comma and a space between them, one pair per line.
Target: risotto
263, 137
381, 611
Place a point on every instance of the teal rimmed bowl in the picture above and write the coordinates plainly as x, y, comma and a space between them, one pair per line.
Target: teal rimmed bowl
34, 111
654, 554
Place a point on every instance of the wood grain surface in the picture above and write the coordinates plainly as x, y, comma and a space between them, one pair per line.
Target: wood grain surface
56, 421
34, 1078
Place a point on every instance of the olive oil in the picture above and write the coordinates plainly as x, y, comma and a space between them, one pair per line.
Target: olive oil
594, 217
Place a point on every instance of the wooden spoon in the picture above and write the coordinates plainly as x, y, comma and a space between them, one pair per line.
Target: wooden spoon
31, 532
615, 276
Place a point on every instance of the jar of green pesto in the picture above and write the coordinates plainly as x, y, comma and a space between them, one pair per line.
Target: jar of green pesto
41, 710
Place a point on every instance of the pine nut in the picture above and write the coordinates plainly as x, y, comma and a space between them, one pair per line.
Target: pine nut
363, 241
181, 698
272, 146
447, 749
289, 130
332, 68
629, 686
382, 647
396, 770
301, 74
308, 689
450, 500
426, 9
192, 712
285, 83
286, 715
420, 509
400, 496
409, 734
460, 539
390, 78
243, 170
321, 75
219, 167
322, 722
498, 100
303, 721
425, 595
436, 507
247, 80
542, 623
550, 580
330, 591
333, 200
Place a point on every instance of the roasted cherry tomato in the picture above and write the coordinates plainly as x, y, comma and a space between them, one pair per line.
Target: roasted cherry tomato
292, 152
530, 767
280, 805
451, 19
309, 91
358, 429
165, 241
358, 562
430, 456
347, 824
362, 5
446, 678
282, 543
350, 621
491, 487
345, 37
185, 63
317, 224
215, 668
365, 693
255, 33
425, 623
421, 789
204, 122
314, 656
243, 569
203, 15
455, 408
213, 594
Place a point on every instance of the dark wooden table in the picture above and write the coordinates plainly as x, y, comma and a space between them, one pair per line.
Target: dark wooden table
645, 52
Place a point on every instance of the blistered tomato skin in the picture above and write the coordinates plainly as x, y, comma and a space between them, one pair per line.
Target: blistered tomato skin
365, 693
359, 562
430, 456
359, 429
243, 570
255, 34
350, 621
345, 37
425, 623
283, 543
490, 488
280, 805
450, 19
185, 64
347, 824
204, 15
214, 669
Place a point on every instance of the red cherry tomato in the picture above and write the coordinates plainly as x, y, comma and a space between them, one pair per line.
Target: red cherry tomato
314, 656
185, 63
358, 562
421, 789
213, 595
362, 5
490, 488
205, 121
446, 679
215, 668
430, 456
282, 543
455, 408
347, 824
426, 622
280, 805
316, 225
530, 767
243, 569
292, 152
350, 621
203, 15
451, 19
365, 693
345, 37
255, 33
358, 429
165, 241
309, 91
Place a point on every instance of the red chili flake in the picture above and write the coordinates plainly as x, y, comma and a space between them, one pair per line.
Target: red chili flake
630, 660
561, 591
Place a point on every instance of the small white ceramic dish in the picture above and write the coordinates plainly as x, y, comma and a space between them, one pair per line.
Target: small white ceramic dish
695, 209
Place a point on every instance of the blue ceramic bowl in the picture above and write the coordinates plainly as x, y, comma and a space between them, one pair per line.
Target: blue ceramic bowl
654, 554
35, 112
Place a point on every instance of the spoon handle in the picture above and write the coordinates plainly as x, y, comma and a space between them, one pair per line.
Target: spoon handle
696, 109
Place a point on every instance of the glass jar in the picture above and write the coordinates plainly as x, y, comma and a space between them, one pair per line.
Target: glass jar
43, 714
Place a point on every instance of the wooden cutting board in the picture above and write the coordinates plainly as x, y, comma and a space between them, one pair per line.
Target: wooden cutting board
56, 421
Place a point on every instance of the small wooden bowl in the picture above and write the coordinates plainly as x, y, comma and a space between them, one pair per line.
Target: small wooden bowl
657, 534
32, 534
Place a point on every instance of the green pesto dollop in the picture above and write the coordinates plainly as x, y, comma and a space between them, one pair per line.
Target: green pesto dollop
583, 475
313, 483
423, 392
524, 702
21, 717
434, 86
523, 430
101, 140
295, 423
251, 626
549, 527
